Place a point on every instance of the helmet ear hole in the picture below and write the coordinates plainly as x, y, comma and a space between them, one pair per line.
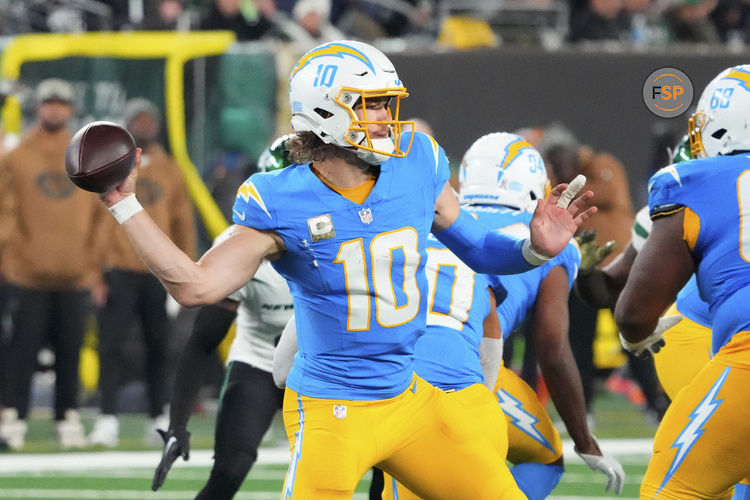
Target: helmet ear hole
719, 133
323, 113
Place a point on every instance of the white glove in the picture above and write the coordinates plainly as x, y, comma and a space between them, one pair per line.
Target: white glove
653, 343
609, 466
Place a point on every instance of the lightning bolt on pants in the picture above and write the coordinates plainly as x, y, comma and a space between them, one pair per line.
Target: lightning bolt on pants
701, 448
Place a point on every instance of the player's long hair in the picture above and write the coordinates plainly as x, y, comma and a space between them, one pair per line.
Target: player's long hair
306, 147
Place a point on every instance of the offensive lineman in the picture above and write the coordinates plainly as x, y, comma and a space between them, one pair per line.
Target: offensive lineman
700, 449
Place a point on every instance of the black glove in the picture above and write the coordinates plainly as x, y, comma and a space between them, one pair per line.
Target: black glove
176, 443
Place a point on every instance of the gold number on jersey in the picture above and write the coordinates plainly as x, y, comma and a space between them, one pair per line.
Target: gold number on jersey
387, 311
743, 200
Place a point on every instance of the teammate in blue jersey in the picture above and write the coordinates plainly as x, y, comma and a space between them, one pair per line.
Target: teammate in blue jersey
698, 208
501, 176
347, 227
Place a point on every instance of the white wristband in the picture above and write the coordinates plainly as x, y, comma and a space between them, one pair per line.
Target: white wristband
126, 208
531, 256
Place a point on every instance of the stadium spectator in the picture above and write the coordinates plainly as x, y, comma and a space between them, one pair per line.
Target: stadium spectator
372, 20
314, 16
134, 294
730, 19
688, 21
244, 18
598, 20
51, 261
168, 15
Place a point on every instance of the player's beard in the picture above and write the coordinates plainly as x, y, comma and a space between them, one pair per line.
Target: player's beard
53, 127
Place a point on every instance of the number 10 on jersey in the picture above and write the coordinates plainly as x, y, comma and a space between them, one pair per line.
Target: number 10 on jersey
388, 311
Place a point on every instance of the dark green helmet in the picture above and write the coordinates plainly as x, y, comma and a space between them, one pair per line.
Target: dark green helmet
276, 156
681, 151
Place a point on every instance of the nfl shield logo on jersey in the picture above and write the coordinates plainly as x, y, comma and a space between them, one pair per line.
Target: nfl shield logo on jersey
339, 411
365, 215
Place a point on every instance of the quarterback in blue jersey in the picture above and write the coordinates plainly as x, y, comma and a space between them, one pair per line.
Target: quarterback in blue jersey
698, 208
347, 227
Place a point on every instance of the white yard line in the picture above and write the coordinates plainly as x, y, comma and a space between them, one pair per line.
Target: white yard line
136, 495
43, 462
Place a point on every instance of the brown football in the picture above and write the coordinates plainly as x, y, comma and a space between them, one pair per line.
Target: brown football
100, 156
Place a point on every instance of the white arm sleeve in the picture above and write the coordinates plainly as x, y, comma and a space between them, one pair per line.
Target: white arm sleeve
490, 356
283, 356
641, 228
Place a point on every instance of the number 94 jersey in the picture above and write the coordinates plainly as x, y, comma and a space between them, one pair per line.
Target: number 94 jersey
521, 289
716, 195
356, 272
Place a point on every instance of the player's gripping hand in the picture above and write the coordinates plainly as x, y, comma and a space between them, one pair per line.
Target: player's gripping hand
176, 444
592, 254
609, 466
127, 187
654, 342
557, 218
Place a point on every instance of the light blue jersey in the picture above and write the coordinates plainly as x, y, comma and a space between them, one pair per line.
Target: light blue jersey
690, 304
522, 289
717, 190
447, 355
355, 272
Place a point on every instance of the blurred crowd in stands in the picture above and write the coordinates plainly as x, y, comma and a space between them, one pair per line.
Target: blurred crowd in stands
460, 23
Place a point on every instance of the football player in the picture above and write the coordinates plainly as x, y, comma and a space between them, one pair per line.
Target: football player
686, 325
697, 208
347, 226
249, 398
501, 178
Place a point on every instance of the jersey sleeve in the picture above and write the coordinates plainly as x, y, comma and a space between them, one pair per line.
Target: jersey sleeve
435, 159
253, 204
666, 191
570, 260
641, 228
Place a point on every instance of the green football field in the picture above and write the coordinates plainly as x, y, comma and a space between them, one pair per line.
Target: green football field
264, 482
45, 472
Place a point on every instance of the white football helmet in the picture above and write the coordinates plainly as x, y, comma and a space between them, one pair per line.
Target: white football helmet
502, 169
326, 84
721, 123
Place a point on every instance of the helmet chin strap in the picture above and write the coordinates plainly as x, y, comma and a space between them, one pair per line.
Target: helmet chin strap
373, 158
